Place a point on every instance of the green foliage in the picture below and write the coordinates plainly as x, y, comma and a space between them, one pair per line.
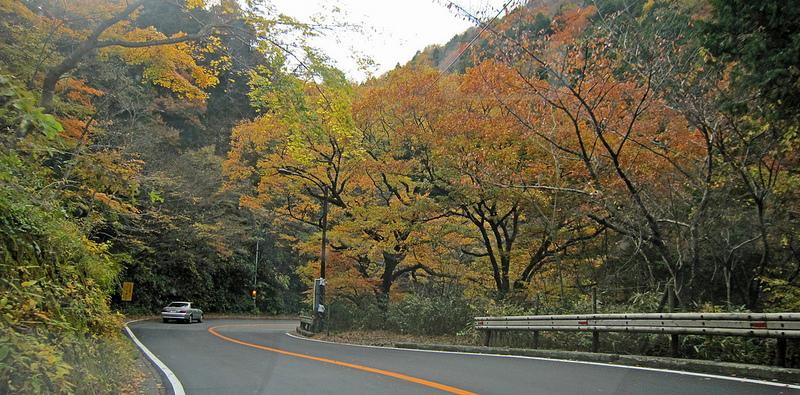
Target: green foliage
763, 38
423, 313
57, 334
781, 295
132, 186
187, 238
354, 313
435, 314
19, 111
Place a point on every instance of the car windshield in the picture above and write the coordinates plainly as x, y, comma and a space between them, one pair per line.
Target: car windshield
178, 304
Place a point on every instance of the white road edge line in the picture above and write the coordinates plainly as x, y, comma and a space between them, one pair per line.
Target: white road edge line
680, 372
177, 387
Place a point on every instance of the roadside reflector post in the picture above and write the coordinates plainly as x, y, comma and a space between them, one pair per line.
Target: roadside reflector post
780, 352
536, 333
595, 334
674, 342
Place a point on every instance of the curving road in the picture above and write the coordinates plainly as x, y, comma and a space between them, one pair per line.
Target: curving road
258, 357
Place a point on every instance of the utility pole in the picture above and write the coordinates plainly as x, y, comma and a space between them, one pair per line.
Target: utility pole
323, 254
319, 284
255, 278
323, 260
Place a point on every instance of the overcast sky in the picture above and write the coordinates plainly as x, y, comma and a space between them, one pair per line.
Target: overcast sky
394, 30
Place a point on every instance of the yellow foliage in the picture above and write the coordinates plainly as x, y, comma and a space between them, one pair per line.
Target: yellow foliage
192, 4
16, 7
170, 66
115, 204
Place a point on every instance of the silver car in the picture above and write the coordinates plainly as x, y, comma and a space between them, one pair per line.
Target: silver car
181, 311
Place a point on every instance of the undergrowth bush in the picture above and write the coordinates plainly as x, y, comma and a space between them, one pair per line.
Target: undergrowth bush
57, 334
432, 314
425, 312
428, 312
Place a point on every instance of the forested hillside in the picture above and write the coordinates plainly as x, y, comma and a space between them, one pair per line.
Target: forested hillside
627, 146
631, 147
622, 145
116, 119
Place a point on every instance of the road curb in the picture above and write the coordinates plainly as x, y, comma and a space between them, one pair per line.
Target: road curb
304, 332
222, 316
769, 373
175, 387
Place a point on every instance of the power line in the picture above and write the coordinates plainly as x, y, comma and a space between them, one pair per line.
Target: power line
484, 27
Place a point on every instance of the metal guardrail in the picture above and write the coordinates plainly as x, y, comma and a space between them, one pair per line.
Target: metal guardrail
730, 324
773, 325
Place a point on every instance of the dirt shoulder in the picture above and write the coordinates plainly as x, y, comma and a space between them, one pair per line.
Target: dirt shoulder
384, 338
146, 379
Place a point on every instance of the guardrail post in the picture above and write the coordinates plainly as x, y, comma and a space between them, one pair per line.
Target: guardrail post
780, 326
536, 333
780, 352
595, 334
674, 341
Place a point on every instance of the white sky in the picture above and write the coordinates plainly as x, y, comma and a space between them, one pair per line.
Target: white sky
394, 30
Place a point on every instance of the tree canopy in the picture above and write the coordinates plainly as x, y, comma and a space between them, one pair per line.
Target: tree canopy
202, 150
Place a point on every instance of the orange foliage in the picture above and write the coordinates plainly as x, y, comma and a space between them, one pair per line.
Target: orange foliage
77, 91
75, 129
570, 24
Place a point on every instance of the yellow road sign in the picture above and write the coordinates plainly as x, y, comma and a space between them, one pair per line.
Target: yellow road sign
127, 291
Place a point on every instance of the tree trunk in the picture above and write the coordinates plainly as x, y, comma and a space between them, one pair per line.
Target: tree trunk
390, 263
754, 287
93, 42
54, 74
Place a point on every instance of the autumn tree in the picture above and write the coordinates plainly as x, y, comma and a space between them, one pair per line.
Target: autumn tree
302, 155
741, 100
608, 116
396, 230
467, 155
112, 28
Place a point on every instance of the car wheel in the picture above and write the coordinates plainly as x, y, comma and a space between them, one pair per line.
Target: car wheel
201, 318
191, 318
165, 320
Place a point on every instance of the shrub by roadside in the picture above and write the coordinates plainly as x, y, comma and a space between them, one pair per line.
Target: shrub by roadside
446, 318
57, 334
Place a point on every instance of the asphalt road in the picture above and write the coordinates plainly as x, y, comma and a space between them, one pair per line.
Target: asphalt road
258, 357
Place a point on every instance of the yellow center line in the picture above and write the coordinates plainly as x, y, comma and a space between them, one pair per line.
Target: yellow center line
400, 376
